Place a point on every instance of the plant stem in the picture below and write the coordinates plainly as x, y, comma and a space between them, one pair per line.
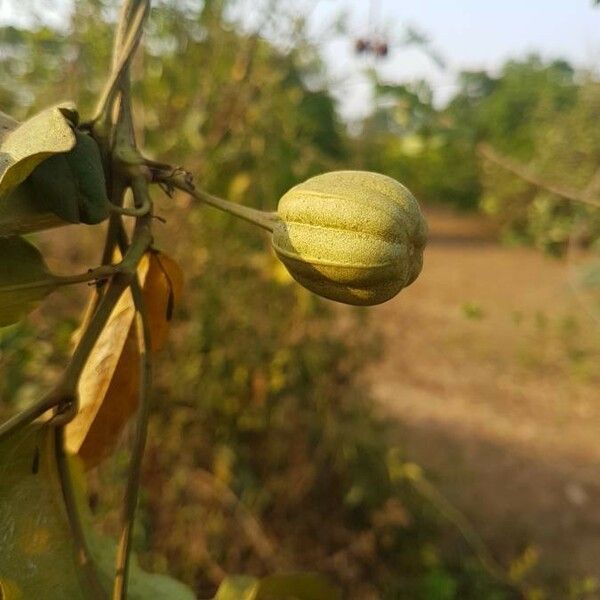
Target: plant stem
141, 197
113, 128
98, 274
65, 391
533, 178
30, 414
125, 48
266, 220
139, 444
123, 140
84, 557
131, 212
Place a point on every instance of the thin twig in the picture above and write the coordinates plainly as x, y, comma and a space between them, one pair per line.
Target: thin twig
30, 414
139, 444
123, 58
122, 142
414, 475
83, 555
131, 212
176, 179
123, 24
248, 522
65, 392
530, 176
98, 274
143, 336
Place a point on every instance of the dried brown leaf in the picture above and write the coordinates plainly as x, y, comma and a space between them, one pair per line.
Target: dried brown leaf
109, 385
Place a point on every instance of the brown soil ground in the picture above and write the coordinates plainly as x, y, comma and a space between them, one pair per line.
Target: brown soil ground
491, 367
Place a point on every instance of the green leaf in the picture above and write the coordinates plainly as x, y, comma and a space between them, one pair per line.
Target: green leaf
23, 211
24, 279
293, 586
23, 148
38, 557
72, 185
86, 165
141, 585
52, 186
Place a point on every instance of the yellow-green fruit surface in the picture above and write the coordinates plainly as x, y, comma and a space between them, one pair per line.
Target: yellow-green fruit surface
352, 236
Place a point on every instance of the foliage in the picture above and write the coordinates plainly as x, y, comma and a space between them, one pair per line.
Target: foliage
552, 131
538, 113
24, 282
109, 384
408, 137
30, 472
278, 422
25, 146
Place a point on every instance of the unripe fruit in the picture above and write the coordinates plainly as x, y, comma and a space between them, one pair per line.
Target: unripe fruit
352, 236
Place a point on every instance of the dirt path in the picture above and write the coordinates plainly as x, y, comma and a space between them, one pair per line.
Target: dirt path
492, 370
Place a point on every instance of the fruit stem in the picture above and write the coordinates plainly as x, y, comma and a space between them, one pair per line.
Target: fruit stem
264, 219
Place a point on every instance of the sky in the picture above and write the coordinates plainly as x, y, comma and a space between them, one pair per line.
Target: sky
468, 34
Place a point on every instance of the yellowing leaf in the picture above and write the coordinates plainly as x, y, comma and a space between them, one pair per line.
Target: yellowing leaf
23, 148
24, 279
31, 506
7, 124
293, 586
299, 586
109, 384
50, 173
10, 590
38, 557
238, 587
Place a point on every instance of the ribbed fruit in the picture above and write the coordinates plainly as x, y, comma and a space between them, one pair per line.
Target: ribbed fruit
352, 236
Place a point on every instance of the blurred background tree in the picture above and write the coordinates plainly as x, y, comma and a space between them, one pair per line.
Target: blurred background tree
539, 113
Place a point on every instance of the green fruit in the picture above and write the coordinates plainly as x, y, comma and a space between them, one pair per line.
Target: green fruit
352, 236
